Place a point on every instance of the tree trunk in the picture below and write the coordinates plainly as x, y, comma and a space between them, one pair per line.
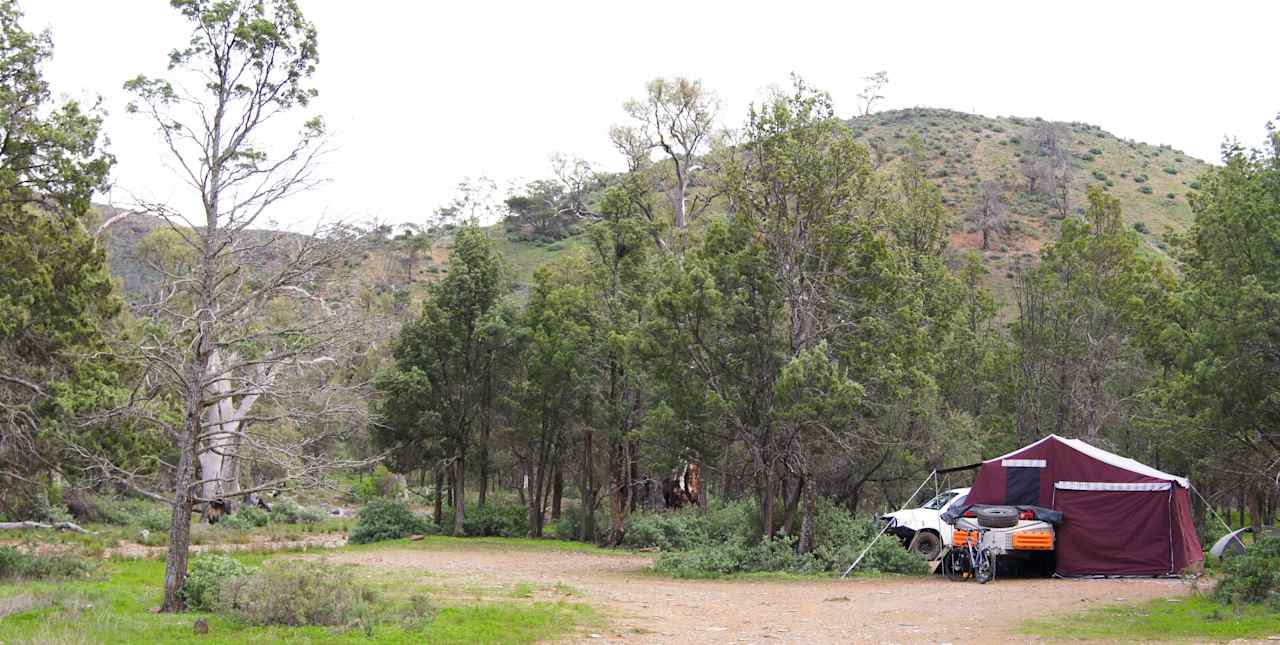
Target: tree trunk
438, 515
486, 420
459, 493
557, 491
810, 496
175, 563
617, 492
766, 501
790, 503
588, 509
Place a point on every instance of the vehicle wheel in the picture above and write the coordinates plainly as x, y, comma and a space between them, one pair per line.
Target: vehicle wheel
927, 545
997, 517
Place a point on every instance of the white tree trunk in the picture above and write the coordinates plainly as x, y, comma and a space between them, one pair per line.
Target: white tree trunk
224, 421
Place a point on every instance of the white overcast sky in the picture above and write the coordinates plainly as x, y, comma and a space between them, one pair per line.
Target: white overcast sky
421, 94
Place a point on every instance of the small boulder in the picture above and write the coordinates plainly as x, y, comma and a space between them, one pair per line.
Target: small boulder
202, 626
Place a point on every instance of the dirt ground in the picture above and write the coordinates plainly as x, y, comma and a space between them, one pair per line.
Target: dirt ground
644, 608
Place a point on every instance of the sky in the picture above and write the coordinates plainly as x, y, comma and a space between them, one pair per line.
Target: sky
420, 95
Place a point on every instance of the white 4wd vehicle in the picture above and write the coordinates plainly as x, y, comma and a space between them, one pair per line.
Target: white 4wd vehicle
922, 530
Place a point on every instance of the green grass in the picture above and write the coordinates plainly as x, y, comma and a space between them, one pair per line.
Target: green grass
114, 608
1190, 619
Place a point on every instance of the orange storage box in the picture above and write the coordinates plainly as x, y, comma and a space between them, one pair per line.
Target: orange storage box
1033, 541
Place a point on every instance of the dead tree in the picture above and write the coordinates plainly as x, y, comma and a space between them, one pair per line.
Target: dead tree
241, 357
989, 214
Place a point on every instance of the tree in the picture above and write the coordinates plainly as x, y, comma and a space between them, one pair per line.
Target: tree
555, 355
1222, 335
247, 339
677, 117
871, 93
439, 391
57, 302
1080, 366
989, 213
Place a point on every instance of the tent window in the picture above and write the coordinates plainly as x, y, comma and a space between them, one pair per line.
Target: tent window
1022, 486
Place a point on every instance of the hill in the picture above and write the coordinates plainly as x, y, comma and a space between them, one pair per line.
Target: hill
960, 151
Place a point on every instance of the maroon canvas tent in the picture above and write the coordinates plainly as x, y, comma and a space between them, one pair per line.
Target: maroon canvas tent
1121, 517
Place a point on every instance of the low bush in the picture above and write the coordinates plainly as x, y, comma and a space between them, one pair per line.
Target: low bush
205, 578
247, 518
1140, 227
288, 512
296, 593
1253, 577
495, 519
1145, 190
383, 519
19, 565
379, 483
726, 542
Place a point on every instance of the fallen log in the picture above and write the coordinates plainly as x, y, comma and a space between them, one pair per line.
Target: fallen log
61, 526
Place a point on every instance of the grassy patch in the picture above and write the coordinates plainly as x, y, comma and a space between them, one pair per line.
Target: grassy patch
113, 607
1189, 619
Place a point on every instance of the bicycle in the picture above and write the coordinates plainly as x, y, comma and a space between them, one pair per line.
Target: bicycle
973, 559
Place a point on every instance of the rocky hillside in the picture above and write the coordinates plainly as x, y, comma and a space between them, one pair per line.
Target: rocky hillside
960, 150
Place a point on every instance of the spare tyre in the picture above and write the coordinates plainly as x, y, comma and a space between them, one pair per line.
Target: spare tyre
997, 517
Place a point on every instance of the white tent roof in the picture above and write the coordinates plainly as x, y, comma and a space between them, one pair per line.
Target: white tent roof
1107, 458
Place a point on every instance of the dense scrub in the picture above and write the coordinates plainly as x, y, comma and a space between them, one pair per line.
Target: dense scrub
384, 519
724, 542
1252, 578
19, 565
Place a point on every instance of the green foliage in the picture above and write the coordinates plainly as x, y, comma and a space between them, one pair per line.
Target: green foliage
289, 512
495, 519
379, 483
1141, 179
1145, 190
1253, 577
1170, 170
300, 592
1140, 227
383, 519
246, 518
1099, 175
206, 576
19, 565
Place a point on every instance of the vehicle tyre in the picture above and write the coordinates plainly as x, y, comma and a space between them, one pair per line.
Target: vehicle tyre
997, 517
955, 565
927, 545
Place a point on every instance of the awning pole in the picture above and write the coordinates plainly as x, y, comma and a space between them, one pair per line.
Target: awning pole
886, 525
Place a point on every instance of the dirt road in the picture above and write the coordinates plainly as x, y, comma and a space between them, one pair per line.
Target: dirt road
643, 608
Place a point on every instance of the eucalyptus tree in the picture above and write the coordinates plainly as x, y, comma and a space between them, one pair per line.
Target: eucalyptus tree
677, 118
248, 336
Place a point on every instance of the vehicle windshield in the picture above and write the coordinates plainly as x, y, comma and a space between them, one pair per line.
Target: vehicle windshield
938, 502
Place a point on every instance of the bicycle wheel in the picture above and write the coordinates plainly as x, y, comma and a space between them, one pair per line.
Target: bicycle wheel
984, 569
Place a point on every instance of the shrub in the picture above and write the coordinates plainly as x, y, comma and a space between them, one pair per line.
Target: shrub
1145, 190
1140, 227
379, 483
384, 519
495, 520
297, 593
1097, 152
1194, 185
205, 577
1170, 170
154, 518
248, 517
1253, 577
18, 565
1099, 175
288, 512
1141, 179
1170, 196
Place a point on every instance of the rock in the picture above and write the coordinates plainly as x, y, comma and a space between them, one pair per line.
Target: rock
416, 538
838, 599
338, 512
145, 534
202, 626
